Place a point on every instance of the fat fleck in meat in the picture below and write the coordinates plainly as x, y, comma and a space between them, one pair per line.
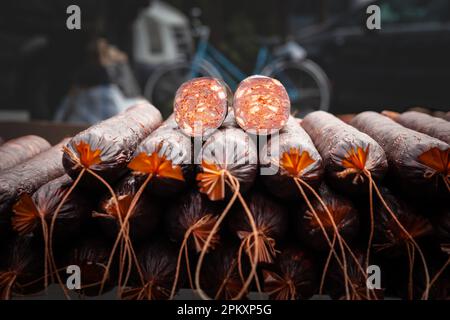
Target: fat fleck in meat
261, 105
201, 105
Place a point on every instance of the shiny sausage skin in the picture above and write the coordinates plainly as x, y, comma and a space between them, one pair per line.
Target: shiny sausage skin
169, 142
28, 176
71, 215
231, 149
116, 138
344, 213
408, 153
185, 212
20, 149
335, 140
144, 218
422, 122
292, 138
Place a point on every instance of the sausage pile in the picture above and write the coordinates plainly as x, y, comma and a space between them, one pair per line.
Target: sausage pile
229, 195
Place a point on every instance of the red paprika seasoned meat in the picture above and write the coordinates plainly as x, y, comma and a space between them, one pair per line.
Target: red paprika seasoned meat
201, 105
261, 105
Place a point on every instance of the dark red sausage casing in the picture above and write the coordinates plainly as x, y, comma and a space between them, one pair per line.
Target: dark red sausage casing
20, 149
271, 220
144, 219
91, 254
389, 239
114, 139
28, 176
220, 277
417, 161
346, 152
45, 200
441, 224
261, 105
290, 154
185, 213
201, 105
335, 283
422, 122
291, 276
158, 264
23, 260
232, 150
169, 142
344, 214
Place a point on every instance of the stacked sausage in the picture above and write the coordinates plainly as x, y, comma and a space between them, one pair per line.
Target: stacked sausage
296, 189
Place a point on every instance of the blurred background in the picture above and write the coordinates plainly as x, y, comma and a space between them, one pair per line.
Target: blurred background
321, 50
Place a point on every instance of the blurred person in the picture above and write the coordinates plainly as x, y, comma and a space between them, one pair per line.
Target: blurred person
103, 87
41, 58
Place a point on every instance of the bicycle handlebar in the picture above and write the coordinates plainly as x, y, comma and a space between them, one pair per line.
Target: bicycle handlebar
290, 49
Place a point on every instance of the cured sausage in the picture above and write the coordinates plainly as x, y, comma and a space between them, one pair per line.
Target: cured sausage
344, 214
335, 281
193, 213
158, 266
271, 220
230, 150
168, 144
107, 147
143, 219
389, 239
291, 277
43, 203
347, 153
201, 105
220, 278
20, 149
91, 254
422, 122
441, 225
287, 155
419, 163
21, 268
28, 176
261, 105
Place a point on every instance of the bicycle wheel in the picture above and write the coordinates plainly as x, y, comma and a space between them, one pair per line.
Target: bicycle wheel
306, 83
162, 85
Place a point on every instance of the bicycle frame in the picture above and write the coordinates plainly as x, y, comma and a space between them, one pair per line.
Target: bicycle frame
230, 73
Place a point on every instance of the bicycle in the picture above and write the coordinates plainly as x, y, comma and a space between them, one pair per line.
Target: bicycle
307, 84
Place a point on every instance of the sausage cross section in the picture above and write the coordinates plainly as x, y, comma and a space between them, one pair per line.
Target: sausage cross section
201, 105
261, 105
